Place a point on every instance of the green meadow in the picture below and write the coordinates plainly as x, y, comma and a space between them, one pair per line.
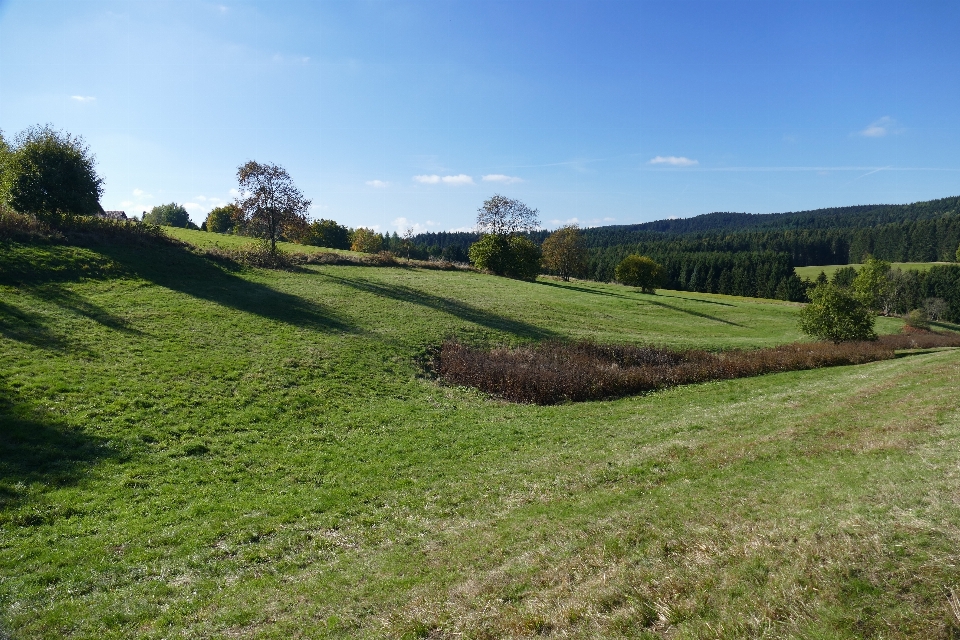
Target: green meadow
813, 272
190, 450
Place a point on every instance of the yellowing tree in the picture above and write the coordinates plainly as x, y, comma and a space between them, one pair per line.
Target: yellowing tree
564, 253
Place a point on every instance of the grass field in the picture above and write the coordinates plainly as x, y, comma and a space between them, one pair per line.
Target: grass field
813, 272
206, 240
189, 451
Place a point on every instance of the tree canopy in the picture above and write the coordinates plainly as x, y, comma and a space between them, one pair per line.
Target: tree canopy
835, 313
224, 219
168, 215
270, 202
327, 233
641, 272
504, 216
564, 252
50, 174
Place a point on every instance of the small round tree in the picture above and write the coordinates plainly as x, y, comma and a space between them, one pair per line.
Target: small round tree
366, 241
836, 314
641, 272
563, 252
224, 219
168, 215
51, 175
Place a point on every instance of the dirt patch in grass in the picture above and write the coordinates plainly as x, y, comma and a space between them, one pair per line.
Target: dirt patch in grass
554, 372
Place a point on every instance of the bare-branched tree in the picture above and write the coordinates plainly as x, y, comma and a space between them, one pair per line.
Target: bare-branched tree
270, 202
502, 216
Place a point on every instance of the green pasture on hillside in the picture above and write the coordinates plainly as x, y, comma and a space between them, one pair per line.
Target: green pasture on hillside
193, 451
205, 240
813, 272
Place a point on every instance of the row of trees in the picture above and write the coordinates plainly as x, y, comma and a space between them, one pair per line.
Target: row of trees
843, 308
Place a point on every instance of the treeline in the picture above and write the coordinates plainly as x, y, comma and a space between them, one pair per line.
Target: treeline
930, 240
832, 218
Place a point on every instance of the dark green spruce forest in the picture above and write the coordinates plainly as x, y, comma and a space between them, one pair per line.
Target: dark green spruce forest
755, 254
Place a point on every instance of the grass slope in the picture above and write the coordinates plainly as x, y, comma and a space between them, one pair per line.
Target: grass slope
813, 272
193, 452
205, 240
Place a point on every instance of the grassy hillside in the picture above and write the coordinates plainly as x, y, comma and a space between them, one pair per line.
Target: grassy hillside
813, 272
189, 451
228, 241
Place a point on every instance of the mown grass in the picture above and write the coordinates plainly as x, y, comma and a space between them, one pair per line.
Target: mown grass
189, 451
228, 241
813, 272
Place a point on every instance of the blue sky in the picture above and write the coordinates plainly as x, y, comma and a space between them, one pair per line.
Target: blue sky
400, 114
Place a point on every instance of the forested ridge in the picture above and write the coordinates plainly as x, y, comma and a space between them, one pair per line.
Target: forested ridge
754, 254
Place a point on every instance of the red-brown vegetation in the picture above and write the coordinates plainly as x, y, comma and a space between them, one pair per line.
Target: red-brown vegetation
553, 372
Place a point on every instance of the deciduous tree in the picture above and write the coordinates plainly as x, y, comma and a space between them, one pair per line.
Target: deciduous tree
51, 175
641, 272
224, 219
564, 252
837, 314
502, 216
270, 202
168, 215
366, 241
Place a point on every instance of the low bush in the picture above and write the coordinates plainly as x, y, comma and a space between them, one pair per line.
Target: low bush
554, 372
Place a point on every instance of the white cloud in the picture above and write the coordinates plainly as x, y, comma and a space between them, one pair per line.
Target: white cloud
126, 203
435, 179
377, 184
879, 128
499, 177
609, 219
83, 98
193, 206
567, 221
140, 192
674, 161
402, 224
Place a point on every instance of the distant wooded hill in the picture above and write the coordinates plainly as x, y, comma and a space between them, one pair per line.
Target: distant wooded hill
753, 254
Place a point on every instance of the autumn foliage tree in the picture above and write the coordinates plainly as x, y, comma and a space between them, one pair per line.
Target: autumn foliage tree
270, 202
564, 252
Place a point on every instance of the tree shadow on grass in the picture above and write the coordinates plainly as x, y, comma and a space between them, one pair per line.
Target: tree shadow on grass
456, 308
722, 304
28, 327
692, 313
181, 270
36, 448
573, 287
76, 303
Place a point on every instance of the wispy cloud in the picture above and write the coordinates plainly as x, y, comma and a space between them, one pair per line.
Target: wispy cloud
499, 177
377, 184
435, 179
674, 161
140, 192
879, 128
83, 98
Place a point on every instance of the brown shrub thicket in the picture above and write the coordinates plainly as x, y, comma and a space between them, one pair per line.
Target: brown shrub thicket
553, 372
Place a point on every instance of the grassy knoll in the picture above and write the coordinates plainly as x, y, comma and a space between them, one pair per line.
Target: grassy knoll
206, 240
813, 272
189, 451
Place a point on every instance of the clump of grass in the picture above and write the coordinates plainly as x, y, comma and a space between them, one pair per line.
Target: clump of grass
554, 371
